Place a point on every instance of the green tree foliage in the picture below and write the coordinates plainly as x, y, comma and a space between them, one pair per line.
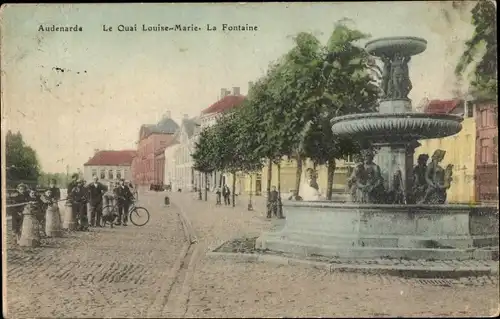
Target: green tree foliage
62, 179
205, 157
21, 160
346, 85
482, 45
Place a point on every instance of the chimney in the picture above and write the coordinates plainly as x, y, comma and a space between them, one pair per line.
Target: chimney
236, 90
96, 150
250, 85
167, 115
223, 93
185, 116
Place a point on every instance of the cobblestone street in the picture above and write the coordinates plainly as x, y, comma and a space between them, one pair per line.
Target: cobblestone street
229, 288
151, 271
121, 272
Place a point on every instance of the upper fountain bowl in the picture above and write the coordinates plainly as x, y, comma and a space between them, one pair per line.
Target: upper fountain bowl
406, 46
394, 127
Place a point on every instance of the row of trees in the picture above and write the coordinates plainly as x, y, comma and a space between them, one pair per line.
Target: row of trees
22, 165
21, 160
287, 112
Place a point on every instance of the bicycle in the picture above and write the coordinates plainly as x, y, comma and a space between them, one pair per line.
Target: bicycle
135, 213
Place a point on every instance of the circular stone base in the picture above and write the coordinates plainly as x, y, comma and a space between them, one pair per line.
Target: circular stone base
406, 46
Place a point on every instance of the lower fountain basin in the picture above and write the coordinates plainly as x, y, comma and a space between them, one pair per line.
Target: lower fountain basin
400, 126
348, 230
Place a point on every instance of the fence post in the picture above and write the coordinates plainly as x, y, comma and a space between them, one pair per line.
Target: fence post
53, 221
69, 217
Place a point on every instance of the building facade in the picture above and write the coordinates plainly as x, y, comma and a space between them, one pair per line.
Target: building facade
179, 172
486, 169
148, 166
109, 165
209, 117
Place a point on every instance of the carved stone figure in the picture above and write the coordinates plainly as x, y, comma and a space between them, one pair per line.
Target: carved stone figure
419, 182
400, 80
386, 76
397, 193
438, 180
368, 181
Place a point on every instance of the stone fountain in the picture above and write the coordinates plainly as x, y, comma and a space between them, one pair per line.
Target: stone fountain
397, 210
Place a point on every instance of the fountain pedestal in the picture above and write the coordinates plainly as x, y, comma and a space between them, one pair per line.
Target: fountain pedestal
379, 231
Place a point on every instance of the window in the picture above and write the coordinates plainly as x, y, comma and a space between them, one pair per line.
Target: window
103, 174
469, 110
484, 118
94, 172
110, 174
118, 174
494, 152
484, 151
125, 173
349, 159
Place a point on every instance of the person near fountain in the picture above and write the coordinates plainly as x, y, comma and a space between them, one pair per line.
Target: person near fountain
419, 183
438, 180
368, 180
274, 203
309, 189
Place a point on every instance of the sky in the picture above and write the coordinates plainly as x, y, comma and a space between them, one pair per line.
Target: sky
116, 81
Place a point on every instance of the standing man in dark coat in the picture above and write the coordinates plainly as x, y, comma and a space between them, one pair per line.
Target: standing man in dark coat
74, 181
95, 192
273, 201
226, 193
79, 202
124, 197
19, 197
54, 190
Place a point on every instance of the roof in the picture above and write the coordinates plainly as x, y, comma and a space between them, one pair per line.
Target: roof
442, 106
115, 158
224, 104
189, 126
165, 126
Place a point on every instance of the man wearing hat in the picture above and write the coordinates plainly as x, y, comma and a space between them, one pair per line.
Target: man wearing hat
78, 201
95, 191
18, 197
74, 181
124, 197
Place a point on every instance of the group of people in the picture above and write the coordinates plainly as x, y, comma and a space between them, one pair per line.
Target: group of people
94, 196
23, 195
226, 193
80, 198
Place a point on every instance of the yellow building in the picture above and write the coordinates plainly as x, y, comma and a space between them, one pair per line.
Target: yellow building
460, 151
257, 182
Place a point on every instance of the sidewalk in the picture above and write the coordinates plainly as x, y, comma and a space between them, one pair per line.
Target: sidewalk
232, 288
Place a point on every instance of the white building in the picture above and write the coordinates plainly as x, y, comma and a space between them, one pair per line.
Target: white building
109, 166
179, 172
209, 117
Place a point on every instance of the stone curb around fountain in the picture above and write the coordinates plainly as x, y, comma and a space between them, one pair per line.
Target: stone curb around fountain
411, 271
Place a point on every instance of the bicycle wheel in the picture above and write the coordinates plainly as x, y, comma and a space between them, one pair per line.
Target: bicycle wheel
110, 210
139, 216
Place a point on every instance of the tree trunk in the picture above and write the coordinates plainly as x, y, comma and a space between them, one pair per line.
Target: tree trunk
234, 187
206, 187
280, 207
250, 206
220, 180
329, 184
269, 179
200, 183
298, 175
